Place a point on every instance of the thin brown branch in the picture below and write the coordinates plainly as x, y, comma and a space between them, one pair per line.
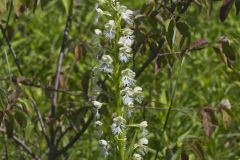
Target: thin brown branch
11, 49
40, 120
62, 135
76, 137
153, 55
21, 143
60, 59
32, 84
52, 146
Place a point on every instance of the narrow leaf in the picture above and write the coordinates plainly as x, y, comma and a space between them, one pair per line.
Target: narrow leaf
199, 44
237, 6
224, 11
170, 33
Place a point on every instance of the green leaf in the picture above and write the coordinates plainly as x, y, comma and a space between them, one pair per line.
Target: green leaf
44, 3
185, 43
237, 6
131, 146
147, 8
194, 145
3, 7
170, 33
229, 53
66, 5
183, 28
21, 118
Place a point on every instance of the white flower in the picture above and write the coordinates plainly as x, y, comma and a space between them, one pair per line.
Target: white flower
103, 142
127, 32
124, 55
110, 34
143, 141
126, 40
127, 15
101, 1
128, 78
127, 81
128, 73
98, 32
127, 96
110, 29
125, 49
130, 111
142, 146
97, 104
137, 156
118, 126
106, 64
104, 146
138, 95
99, 11
143, 124
110, 24
225, 104
98, 124
127, 100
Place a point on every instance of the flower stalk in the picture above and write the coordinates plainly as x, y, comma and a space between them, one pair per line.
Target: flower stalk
114, 56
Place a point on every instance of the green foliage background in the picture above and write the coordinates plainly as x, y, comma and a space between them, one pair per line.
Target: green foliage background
187, 80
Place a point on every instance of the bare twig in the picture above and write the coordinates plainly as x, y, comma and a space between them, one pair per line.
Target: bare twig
11, 50
40, 120
52, 146
32, 84
76, 137
60, 58
21, 143
62, 135
152, 56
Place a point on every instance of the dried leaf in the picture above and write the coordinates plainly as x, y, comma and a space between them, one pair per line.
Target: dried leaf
79, 51
14, 96
20, 79
224, 11
19, 7
208, 120
61, 80
9, 124
199, 44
